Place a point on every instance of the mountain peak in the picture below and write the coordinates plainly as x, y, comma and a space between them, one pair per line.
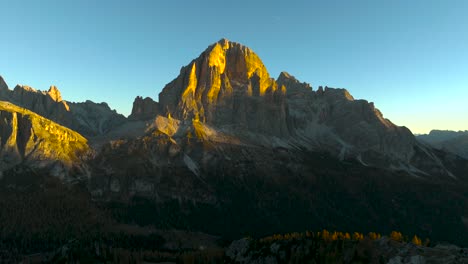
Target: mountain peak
224, 42
284, 74
21, 87
293, 85
144, 109
223, 86
3, 85
239, 60
54, 93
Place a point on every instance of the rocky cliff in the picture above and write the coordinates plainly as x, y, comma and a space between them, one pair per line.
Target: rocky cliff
350, 127
144, 109
27, 138
228, 86
88, 118
94, 119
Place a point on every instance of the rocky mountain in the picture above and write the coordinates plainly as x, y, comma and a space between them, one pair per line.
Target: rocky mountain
88, 118
29, 139
94, 119
450, 141
228, 86
230, 151
436, 137
251, 154
228, 89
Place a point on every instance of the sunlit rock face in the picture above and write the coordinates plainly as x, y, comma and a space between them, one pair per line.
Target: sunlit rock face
88, 118
46, 103
144, 109
231, 143
227, 85
228, 88
29, 139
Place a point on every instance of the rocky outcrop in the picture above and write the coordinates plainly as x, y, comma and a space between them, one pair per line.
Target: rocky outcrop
333, 120
293, 85
144, 109
46, 103
29, 139
94, 119
54, 93
88, 118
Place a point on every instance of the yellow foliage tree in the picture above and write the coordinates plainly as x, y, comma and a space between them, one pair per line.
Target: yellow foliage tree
397, 236
347, 236
416, 240
374, 236
358, 236
325, 235
334, 236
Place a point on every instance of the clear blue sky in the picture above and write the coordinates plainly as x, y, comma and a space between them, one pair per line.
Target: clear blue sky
410, 57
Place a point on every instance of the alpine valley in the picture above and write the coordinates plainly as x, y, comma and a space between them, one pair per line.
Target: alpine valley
226, 152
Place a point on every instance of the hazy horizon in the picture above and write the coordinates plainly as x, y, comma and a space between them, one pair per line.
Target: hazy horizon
407, 58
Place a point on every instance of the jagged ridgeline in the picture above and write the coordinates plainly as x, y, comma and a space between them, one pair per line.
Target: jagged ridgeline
30, 139
229, 150
237, 150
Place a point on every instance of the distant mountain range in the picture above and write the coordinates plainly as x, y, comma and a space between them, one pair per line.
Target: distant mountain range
450, 141
228, 150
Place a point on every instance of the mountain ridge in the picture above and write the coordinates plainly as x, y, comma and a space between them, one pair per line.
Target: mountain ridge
228, 145
88, 118
451, 141
229, 88
30, 139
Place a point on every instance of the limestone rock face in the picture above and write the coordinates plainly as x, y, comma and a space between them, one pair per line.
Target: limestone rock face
293, 85
48, 104
229, 89
227, 86
144, 109
54, 93
333, 120
29, 139
94, 119
88, 118
362, 126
